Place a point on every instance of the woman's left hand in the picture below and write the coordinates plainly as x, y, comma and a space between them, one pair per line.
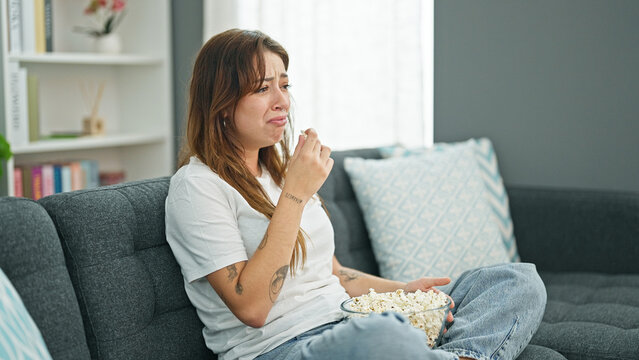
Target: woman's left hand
428, 283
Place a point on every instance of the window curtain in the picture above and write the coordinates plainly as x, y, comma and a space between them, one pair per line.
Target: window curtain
360, 70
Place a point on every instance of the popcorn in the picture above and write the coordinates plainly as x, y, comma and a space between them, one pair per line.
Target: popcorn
415, 306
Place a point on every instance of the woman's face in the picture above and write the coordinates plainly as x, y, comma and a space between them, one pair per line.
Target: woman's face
260, 117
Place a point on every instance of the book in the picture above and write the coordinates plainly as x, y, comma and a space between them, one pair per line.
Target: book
27, 189
39, 180
15, 26
24, 99
91, 174
48, 186
77, 176
17, 182
111, 178
65, 175
95, 174
40, 36
19, 124
36, 182
57, 178
48, 25
62, 135
33, 102
28, 26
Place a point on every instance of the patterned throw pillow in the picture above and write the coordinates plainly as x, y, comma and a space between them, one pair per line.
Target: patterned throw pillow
496, 192
427, 215
19, 335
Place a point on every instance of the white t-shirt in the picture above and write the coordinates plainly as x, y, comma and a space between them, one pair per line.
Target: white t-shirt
209, 226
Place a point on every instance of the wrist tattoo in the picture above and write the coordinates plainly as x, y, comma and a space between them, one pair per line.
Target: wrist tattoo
277, 281
293, 197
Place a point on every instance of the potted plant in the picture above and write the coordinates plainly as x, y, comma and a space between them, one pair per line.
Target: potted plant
5, 151
106, 16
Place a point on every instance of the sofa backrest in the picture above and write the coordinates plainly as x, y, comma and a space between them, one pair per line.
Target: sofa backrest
129, 287
352, 244
598, 228
31, 257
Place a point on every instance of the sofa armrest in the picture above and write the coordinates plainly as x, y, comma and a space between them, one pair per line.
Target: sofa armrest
576, 230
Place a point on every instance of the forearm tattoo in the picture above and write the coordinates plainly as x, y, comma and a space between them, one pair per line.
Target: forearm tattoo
349, 275
231, 276
277, 281
232, 272
263, 243
293, 197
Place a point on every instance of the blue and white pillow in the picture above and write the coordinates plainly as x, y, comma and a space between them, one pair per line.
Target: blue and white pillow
496, 192
19, 335
427, 215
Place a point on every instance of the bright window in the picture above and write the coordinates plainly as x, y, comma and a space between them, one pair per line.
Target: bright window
361, 70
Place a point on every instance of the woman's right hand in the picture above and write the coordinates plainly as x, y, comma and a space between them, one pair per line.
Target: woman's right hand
309, 167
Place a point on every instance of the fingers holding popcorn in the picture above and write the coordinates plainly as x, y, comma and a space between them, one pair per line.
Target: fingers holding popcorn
309, 166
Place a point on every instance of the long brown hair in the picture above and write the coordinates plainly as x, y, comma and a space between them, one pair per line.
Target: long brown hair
229, 66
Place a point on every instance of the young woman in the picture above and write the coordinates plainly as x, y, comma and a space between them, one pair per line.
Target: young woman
256, 246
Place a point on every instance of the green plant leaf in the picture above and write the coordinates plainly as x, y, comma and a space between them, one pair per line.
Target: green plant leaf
117, 19
107, 25
5, 151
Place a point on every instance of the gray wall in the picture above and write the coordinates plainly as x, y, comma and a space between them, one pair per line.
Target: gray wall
554, 85
187, 41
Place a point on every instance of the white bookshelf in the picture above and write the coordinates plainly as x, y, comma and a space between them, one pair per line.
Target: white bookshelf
137, 101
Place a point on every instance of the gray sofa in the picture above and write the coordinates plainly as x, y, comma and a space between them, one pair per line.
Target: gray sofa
94, 269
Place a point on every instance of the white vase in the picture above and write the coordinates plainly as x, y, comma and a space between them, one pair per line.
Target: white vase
108, 44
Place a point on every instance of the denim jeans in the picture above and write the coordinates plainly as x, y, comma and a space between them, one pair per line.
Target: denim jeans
497, 311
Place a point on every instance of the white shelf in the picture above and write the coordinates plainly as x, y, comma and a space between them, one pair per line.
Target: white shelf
86, 58
88, 142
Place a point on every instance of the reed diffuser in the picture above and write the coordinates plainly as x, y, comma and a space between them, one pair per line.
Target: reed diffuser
93, 124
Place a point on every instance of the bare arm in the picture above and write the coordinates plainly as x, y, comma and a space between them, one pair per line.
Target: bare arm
357, 283
250, 288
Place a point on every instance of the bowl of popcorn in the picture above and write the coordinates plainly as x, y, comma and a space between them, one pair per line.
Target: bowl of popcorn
426, 310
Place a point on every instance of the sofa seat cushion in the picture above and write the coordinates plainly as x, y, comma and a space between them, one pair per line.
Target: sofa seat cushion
591, 315
129, 285
536, 352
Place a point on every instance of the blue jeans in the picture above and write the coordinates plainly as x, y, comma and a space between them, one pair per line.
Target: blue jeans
497, 311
